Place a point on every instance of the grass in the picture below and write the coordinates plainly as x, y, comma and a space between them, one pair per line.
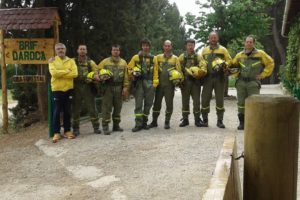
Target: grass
9, 96
231, 82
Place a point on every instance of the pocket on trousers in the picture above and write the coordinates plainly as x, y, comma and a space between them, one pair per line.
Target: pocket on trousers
258, 84
236, 83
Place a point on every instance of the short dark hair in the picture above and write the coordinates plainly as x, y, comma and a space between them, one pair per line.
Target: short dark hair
145, 41
251, 36
116, 46
81, 44
190, 40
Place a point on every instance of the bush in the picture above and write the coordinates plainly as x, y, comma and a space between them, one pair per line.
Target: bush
10, 72
26, 95
288, 74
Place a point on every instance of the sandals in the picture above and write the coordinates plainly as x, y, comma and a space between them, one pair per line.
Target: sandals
56, 137
69, 135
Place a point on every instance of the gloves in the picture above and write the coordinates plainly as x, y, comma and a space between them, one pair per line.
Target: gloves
155, 83
90, 77
201, 74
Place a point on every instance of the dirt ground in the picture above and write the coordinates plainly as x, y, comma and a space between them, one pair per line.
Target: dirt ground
155, 164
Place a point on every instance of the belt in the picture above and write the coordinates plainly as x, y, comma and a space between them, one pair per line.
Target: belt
247, 79
79, 81
115, 83
215, 74
147, 77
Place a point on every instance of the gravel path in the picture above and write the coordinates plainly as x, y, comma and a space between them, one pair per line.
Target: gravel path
155, 164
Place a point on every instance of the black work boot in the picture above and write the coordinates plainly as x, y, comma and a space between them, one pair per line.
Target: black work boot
137, 128
241, 117
205, 121
185, 122
145, 126
199, 122
220, 124
153, 124
106, 130
76, 131
167, 125
117, 128
97, 131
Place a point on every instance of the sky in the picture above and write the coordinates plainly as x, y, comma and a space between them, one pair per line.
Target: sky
185, 6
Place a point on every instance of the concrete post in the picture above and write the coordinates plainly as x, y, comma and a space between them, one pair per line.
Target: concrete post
271, 147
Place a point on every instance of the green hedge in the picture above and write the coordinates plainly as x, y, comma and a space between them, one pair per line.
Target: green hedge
289, 72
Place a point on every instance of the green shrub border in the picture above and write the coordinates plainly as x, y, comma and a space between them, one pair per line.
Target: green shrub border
289, 72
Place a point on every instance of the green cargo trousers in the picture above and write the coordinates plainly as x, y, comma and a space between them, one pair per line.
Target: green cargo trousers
245, 89
216, 83
191, 88
112, 100
166, 91
144, 94
83, 94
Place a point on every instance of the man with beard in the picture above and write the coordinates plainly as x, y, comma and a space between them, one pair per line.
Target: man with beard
114, 89
253, 65
193, 68
84, 91
218, 59
169, 71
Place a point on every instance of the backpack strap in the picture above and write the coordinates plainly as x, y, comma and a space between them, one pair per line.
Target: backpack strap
140, 59
89, 65
196, 62
185, 59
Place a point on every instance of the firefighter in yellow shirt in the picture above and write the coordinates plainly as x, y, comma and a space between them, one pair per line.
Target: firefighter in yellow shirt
169, 75
194, 68
143, 74
63, 70
218, 59
114, 88
84, 91
252, 65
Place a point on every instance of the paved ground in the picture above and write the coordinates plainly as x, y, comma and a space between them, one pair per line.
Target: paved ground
155, 164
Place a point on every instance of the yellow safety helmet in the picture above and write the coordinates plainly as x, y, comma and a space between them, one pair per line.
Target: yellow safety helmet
105, 74
137, 72
196, 72
90, 76
218, 64
175, 76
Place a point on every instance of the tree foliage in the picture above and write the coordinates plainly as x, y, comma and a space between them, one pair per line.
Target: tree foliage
289, 74
231, 18
99, 24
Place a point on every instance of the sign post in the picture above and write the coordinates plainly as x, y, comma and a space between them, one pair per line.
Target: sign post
26, 51
4, 85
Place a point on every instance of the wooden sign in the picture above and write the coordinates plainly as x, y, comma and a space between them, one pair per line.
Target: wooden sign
28, 51
29, 79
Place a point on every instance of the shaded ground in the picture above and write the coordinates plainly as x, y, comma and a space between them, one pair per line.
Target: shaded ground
155, 164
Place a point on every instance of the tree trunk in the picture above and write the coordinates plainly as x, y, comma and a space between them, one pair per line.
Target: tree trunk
42, 92
276, 37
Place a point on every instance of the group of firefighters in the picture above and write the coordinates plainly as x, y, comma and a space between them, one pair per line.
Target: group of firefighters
152, 79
